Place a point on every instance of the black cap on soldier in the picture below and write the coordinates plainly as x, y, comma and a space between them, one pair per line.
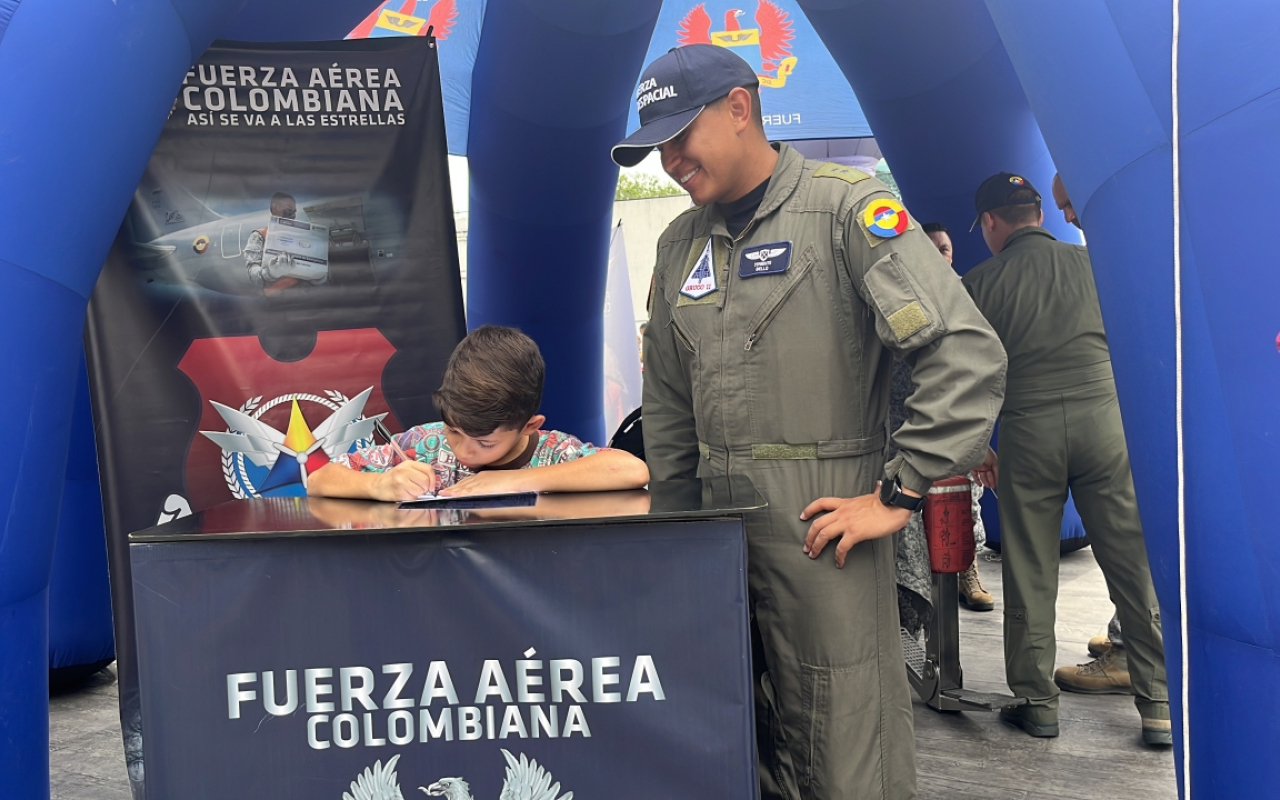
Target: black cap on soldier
1003, 189
673, 91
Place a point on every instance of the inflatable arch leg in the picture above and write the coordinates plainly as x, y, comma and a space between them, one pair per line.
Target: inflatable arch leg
80, 637
77, 124
1112, 61
537, 247
944, 102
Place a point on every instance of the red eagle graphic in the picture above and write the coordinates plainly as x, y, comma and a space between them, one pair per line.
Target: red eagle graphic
695, 28
776, 33
440, 19
776, 30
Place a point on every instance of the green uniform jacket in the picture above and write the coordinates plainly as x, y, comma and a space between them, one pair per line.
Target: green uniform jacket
1039, 295
794, 365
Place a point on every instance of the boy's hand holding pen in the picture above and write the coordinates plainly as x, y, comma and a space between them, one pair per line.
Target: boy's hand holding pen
407, 480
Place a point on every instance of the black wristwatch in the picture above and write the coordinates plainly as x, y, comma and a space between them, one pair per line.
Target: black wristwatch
891, 494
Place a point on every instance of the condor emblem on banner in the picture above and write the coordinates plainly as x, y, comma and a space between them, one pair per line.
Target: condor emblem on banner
524, 779
773, 36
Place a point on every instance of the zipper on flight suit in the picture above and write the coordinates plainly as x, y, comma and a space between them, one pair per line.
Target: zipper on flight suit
797, 277
733, 243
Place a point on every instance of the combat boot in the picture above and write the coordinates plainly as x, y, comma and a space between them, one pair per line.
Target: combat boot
1099, 644
1157, 732
1041, 723
972, 594
1106, 674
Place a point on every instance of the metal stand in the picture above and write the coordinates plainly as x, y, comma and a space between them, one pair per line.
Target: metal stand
934, 670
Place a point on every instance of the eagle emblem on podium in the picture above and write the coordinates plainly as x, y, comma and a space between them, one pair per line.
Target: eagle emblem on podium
524, 780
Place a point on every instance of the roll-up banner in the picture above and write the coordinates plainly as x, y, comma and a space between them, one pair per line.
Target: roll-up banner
286, 275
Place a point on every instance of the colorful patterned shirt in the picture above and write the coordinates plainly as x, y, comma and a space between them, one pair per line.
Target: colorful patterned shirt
427, 443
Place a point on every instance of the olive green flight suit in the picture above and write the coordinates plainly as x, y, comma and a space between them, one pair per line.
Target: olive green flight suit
1060, 429
784, 377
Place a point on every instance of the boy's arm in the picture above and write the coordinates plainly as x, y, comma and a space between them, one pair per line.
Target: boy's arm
602, 471
405, 481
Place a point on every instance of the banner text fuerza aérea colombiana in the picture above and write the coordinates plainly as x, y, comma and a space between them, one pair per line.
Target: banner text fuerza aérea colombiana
248, 96
360, 705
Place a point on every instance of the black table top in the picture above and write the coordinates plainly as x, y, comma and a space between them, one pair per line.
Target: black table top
272, 517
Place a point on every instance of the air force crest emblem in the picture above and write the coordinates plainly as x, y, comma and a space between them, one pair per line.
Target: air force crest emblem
266, 426
291, 455
702, 278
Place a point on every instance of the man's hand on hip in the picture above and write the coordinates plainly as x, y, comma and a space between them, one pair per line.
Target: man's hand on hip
851, 520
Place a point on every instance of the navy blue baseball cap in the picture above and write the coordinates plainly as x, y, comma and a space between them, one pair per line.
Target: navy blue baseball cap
673, 91
1003, 189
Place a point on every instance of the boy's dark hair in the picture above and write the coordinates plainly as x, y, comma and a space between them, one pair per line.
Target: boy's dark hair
1024, 208
493, 381
936, 227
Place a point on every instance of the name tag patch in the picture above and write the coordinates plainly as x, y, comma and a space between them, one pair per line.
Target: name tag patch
702, 278
765, 259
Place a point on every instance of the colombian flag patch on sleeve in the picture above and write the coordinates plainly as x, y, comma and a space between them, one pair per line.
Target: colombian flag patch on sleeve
885, 218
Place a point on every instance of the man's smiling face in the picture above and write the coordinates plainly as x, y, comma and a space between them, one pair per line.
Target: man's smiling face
704, 158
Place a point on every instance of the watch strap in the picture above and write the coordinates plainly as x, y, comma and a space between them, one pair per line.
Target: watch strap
891, 494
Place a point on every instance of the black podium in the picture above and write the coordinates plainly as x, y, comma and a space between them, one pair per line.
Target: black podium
315, 648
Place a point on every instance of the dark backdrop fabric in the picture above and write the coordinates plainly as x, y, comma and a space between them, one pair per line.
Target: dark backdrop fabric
176, 323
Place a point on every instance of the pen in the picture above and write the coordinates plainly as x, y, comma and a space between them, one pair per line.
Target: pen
391, 440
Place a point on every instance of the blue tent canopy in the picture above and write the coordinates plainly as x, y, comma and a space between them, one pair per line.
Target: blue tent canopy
954, 90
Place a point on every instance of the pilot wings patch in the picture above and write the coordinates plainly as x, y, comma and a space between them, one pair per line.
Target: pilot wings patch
765, 259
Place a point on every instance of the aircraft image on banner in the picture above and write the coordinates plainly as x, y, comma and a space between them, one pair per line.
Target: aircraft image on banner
175, 239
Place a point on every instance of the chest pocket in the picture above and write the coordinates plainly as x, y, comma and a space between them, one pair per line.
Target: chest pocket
782, 292
801, 368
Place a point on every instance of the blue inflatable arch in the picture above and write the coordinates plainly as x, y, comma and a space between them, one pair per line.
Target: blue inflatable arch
955, 89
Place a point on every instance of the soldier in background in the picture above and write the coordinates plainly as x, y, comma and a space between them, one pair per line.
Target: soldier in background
1060, 430
1108, 673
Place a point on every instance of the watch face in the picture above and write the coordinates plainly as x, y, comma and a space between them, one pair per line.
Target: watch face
887, 490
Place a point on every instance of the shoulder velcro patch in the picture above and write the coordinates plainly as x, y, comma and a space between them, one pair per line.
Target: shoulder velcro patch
907, 320
847, 174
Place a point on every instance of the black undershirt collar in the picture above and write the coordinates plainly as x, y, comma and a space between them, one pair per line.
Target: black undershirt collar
738, 214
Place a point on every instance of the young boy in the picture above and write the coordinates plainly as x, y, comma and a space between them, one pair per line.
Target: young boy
490, 439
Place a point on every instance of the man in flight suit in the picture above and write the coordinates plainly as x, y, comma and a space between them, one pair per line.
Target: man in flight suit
776, 305
1060, 429
1108, 673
